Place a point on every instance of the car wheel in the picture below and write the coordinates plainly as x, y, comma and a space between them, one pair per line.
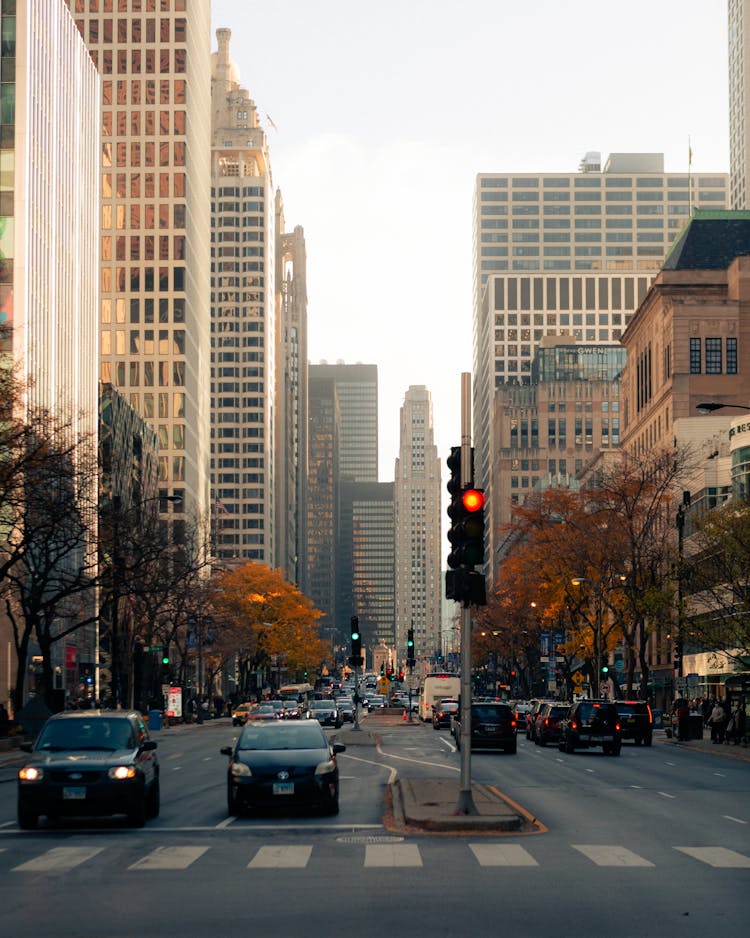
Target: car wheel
435, 726
154, 800
569, 746
458, 742
233, 805
512, 748
137, 814
606, 748
542, 741
27, 819
615, 751
637, 740
648, 740
332, 808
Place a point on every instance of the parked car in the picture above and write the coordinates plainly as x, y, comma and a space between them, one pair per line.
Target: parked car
493, 726
325, 712
591, 723
240, 712
443, 712
90, 763
346, 709
283, 764
547, 727
636, 721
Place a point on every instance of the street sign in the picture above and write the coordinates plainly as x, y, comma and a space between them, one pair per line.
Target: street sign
577, 678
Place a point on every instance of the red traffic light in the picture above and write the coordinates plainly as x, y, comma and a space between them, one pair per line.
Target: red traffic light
473, 499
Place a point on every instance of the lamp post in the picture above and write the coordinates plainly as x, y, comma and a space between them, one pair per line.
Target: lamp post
708, 407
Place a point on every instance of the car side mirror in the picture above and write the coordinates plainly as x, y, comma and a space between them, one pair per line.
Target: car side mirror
338, 747
226, 751
148, 745
26, 747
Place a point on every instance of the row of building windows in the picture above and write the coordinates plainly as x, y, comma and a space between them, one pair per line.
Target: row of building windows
146, 374
559, 209
168, 310
590, 181
708, 357
569, 293
143, 342
136, 91
146, 279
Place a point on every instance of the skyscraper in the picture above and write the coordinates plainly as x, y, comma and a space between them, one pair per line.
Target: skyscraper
243, 322
154, 311
49, 245
567, 253
418, 576
739, 101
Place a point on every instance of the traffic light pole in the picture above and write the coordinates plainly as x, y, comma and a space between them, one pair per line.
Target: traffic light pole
465, 803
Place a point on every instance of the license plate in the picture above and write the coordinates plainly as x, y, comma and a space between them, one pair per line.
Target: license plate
74, 794
283, 788
600, 739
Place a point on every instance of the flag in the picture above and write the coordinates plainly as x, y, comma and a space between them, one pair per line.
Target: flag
220, 506
268, 118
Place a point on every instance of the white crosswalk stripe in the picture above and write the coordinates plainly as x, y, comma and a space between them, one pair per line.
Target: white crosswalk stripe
278, 858
169, 858
379, 855
58, 860
502, 855
611, 855
719, 857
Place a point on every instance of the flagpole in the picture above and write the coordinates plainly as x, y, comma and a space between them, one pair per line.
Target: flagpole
690, 178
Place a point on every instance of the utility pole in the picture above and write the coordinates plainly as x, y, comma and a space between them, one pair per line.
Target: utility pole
465, 803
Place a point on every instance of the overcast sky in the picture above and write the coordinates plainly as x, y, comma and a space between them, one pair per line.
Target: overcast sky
385, 112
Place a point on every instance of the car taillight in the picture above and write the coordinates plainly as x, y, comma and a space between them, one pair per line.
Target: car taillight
513, 723
546, 721
650, 715
574, 725
617, 727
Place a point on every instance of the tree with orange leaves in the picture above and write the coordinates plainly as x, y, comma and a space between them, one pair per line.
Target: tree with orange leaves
264, 615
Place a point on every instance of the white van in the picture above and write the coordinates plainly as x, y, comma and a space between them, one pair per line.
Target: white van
437, 687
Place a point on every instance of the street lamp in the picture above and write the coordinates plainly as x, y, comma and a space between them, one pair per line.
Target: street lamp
708, 407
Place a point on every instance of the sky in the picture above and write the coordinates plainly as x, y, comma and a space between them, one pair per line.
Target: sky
380, 116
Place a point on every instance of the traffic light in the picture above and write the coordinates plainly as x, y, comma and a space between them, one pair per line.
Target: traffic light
467, 534
410, 648
356, 657
466, 586
604, 670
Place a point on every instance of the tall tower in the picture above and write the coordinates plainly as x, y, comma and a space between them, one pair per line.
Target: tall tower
49, 245
292, 399
566, 254
154, 307
739, 102
243, 321
417, 527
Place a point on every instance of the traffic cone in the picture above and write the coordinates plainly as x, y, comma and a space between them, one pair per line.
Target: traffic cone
403, 718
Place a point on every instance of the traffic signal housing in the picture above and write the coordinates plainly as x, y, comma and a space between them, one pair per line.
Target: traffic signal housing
356, 656
410, 648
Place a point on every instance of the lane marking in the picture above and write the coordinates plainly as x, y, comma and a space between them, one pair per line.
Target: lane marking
281, 858
611, 855
719, 774
718, 857
670, 763
58, 860
665, 794
737, 820
391, 855
169, 858
502, 855
222, 825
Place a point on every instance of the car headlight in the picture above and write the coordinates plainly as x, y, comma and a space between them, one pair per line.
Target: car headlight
30, 773
121, 772
241, 769
324, 768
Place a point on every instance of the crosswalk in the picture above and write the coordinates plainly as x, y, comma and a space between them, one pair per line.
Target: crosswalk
391, 855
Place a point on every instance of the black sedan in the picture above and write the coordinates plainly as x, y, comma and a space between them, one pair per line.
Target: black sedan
282, 764
90, 763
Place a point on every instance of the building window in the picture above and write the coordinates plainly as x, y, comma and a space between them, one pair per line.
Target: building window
695, 356
713, 356
731, 356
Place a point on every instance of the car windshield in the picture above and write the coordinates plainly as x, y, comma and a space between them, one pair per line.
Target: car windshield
558, 711
308, 735
101, 733
488, 714
321, 705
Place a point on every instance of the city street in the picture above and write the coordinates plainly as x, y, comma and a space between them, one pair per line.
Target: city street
655, 842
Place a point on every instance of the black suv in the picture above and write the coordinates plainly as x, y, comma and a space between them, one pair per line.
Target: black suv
90, 763
636, 721
493, 726
591, 723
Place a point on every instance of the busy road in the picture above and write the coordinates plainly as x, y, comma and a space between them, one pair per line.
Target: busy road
653, 842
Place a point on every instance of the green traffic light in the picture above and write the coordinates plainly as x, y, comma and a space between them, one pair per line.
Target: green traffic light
165, 660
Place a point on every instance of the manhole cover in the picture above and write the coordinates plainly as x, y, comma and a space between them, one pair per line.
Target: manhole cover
367, 839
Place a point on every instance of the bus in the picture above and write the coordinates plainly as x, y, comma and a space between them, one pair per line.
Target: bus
436, 687
296, 693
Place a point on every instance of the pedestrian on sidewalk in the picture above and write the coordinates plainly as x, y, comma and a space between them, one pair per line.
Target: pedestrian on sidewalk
683, 721
716, 722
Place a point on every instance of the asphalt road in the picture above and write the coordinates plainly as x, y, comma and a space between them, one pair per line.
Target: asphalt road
655, 842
